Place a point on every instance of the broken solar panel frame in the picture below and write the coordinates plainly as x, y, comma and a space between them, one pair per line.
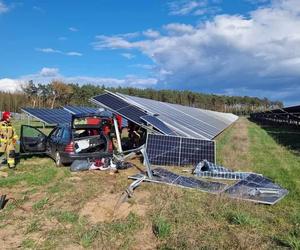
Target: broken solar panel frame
158, 124
164, 176
257, 189
165, 150
208, 169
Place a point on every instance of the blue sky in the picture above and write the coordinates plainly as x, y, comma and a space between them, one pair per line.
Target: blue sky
234, 47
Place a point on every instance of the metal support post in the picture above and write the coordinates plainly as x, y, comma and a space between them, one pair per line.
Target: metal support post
118, 135
147, 163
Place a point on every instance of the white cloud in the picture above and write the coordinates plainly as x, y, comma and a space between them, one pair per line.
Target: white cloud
49, 72
73, 29
193, 7
144, 66
260, 51
3, 7
113, 42
128, 55
48, 50
179, 29
55, 51
10, 85
151, 33
73, 53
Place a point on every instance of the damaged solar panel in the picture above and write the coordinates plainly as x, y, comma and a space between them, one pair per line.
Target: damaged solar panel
164, 176
121, 107
187, 121
181, 120
258, 189
178, 151
158, 124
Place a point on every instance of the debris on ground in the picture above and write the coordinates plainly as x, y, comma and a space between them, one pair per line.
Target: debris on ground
249, 186
208, 169
3, 201
128, 193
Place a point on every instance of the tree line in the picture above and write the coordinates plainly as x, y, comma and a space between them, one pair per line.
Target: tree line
58, 93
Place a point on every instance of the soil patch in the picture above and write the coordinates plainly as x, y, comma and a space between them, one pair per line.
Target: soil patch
107, 207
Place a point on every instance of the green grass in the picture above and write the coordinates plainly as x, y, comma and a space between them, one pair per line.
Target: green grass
65, 216
34, 226
34, 177
161, 228
40, 204
46, 210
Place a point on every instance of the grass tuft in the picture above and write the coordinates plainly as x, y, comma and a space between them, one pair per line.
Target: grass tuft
89, 236
161, 227
40, 204
241, 218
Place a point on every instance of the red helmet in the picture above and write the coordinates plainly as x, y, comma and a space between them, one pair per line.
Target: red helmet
6, 115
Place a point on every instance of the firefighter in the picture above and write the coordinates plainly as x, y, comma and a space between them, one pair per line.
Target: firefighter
8, 140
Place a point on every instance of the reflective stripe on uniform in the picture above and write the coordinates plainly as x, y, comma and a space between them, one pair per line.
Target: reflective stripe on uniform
6, 127
11, 161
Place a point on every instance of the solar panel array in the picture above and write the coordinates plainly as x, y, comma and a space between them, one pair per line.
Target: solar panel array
158, 124
288, 115
121, 107
181, 120
49, 116
165, 150
185, 121
80, 110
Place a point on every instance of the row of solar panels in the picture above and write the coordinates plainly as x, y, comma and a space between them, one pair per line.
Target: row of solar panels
59, 116
288, 115
186, 133
169, 119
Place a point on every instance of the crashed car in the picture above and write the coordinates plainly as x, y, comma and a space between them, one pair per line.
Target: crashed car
86, 137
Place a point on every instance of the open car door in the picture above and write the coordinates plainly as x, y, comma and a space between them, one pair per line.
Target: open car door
32, 141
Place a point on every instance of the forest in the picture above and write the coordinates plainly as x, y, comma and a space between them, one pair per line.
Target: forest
58, 93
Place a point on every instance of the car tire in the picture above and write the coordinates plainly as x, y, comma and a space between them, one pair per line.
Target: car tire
58, 159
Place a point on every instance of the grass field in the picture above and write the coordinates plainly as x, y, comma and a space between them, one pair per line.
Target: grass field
53, 208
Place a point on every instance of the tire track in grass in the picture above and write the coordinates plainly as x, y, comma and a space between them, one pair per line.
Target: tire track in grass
233, 151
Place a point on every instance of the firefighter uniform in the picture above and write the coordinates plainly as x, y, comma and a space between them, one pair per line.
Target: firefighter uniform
8, 140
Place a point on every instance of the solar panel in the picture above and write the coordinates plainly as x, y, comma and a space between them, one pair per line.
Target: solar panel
161, 175
186, 121
177, 151
158, 124
49, 116
287, 115
258, 189
80, 110
119, 106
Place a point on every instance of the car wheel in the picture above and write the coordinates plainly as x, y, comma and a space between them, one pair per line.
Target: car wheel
58, 159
